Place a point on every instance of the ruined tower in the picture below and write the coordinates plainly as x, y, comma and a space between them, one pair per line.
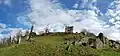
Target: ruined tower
69, 29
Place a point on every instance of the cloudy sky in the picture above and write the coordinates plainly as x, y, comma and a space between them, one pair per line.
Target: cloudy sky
94, 15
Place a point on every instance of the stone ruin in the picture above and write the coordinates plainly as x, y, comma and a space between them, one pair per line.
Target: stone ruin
69, 29
96, 42
99, 42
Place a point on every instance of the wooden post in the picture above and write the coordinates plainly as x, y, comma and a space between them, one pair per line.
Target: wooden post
30, 34
19, 41
19, 35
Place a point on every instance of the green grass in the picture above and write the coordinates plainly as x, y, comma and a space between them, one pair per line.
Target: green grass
52, 46
49, 39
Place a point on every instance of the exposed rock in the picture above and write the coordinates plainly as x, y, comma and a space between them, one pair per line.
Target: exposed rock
92, 42
84, 41
99, 44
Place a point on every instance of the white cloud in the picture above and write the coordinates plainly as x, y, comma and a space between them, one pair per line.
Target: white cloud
54, 15
45, 12
112, 20
85, 4
8, 2
2, 26
14, 31
5, 2
3, 36
75, 5
114, 14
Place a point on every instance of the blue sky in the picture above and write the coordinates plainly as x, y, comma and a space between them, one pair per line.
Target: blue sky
9, 13
94, 15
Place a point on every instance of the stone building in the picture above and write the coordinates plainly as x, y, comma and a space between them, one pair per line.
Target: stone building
69, 29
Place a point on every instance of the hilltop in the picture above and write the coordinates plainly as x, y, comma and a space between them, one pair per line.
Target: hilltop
56, 45
59, 44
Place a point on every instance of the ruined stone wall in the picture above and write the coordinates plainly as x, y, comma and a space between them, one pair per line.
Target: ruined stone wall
69, 29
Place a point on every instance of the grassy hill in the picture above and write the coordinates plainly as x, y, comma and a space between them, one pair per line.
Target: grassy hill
53, 46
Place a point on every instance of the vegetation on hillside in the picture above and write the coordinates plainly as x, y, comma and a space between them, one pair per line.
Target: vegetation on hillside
53, 44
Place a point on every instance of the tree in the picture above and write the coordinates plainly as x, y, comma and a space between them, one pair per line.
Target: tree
47, 30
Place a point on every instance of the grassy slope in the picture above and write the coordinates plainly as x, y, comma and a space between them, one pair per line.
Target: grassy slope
51, 46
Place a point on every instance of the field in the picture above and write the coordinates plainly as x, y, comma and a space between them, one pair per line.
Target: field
53, 46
